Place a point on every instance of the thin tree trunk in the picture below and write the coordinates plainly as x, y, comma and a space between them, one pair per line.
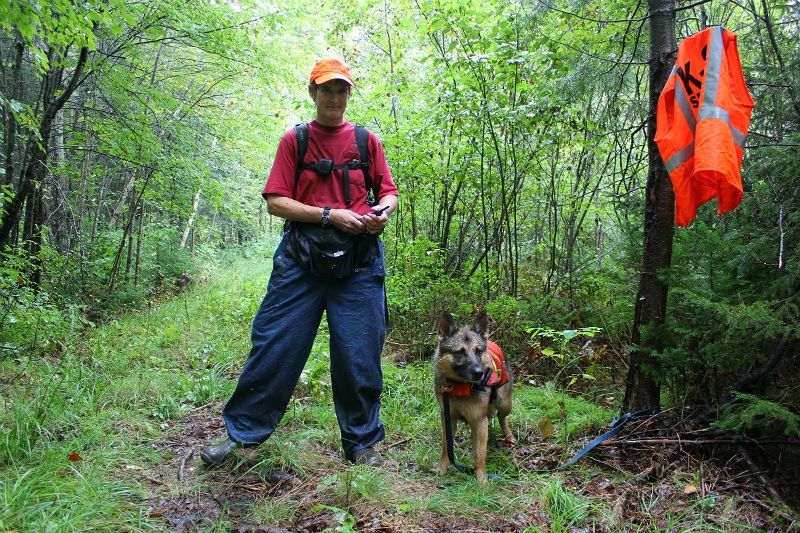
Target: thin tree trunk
60, 197
139, 246
112, 276
642, 389
190, 222
129, 230
11, 121
123, 199
86, 166
779, 57
97, 207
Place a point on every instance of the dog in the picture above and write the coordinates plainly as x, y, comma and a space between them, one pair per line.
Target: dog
477, 386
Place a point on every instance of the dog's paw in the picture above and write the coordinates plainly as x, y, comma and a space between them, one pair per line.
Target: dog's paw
482, 478
442, 467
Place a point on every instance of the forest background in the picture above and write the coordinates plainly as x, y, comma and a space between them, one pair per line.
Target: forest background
137, 136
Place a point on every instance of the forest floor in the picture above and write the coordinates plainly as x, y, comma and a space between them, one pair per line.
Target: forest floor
651, 487
106, 434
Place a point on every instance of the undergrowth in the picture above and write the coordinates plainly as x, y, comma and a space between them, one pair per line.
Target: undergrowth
80, 430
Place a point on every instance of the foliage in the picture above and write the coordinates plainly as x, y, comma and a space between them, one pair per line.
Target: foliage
419, 291
751, 413
567, 355
515, 131
129, 392
32, 322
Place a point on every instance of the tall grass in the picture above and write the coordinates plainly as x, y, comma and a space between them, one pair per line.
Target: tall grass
74, 425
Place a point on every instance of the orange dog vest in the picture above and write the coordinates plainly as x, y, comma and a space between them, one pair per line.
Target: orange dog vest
702, 120
498, 377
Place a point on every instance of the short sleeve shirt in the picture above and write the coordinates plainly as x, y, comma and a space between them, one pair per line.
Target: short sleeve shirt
338, 144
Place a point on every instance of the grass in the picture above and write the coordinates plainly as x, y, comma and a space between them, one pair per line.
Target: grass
79, 434
564, 506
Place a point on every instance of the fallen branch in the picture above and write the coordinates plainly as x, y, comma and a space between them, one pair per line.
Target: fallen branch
154, 480
747, 382
183, 464
250, 488
764, 481
698, 442
771, 509
396, 443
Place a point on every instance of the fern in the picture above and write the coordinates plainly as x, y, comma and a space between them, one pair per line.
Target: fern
751, 412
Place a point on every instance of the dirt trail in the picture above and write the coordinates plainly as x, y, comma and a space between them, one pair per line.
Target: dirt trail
187, 496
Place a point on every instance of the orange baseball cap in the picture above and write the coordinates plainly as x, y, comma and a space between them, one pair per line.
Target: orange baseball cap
330, 69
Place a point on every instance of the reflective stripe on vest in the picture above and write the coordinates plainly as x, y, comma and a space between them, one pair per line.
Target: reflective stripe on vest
719, 116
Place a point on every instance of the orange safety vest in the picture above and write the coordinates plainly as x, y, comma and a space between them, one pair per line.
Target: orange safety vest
701, 123
497, 379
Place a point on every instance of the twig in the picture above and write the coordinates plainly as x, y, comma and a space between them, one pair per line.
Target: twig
395, 343
771, 509
154, 480
249, 488
764, 481
183, 464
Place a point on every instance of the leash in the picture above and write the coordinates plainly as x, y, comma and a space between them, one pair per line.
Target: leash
616, 426
448, 435
448, 431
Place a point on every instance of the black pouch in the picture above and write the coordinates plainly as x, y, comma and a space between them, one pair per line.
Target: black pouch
329, 252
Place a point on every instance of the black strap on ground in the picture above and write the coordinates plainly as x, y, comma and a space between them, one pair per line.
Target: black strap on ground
616, 427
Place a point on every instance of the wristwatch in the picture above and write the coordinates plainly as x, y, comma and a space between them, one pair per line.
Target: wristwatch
326, 217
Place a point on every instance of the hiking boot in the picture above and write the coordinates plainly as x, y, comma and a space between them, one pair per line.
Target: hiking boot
215, 454
366, 456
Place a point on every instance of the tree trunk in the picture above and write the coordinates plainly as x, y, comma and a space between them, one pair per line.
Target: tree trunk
14, 93
139, 246
59, 198
123, 198
642, 388
190, 222
112, 276
86, 169
129, 230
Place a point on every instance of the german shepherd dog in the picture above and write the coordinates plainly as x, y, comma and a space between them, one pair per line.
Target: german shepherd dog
462, 357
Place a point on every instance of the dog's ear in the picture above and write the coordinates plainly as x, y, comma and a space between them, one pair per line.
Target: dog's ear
447, 325
481, 324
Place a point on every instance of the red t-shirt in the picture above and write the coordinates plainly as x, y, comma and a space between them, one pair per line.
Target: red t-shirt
338, 144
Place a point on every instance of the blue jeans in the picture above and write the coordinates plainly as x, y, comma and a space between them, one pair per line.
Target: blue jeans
283, 334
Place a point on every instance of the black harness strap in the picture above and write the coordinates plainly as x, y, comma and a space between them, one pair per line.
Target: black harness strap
301, 133
362, 141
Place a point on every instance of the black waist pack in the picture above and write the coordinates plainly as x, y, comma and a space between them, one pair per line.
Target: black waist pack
329, 252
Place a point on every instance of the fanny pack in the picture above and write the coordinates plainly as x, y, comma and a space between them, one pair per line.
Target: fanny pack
329, 252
